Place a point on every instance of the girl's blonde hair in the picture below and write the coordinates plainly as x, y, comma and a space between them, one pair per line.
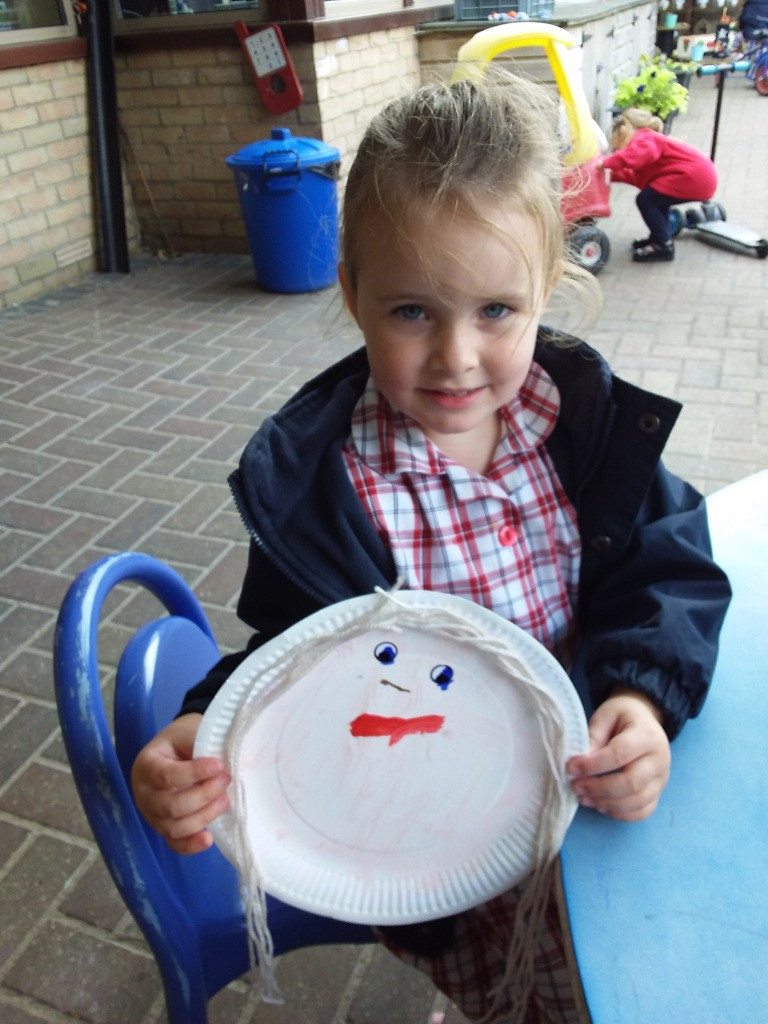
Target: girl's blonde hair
460, 147
637, 118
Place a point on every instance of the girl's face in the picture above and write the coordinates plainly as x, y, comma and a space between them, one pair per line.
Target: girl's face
450, 340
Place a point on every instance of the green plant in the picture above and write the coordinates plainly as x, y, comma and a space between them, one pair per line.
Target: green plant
676, 66
655, 87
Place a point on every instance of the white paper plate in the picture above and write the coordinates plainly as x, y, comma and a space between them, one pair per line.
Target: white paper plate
381, 793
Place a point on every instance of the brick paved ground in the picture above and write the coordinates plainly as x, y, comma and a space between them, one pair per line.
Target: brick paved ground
124, 404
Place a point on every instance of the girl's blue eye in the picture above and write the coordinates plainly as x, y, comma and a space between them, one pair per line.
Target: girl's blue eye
442, 675
385, 653
495, 310
410, 312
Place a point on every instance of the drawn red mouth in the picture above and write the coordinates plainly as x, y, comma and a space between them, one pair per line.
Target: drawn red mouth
395, 728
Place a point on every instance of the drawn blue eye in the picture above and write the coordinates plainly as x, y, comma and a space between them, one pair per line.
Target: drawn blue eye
385, 653
442, 675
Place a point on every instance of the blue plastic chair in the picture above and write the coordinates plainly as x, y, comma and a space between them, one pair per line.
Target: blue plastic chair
188, 908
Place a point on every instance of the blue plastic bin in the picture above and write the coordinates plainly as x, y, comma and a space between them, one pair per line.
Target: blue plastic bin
287, 190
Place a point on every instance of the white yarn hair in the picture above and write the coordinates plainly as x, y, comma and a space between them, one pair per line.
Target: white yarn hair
558, 802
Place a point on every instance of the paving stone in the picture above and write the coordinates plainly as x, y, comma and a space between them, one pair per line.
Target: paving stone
16, 415
15, 546
227, 525
204, 505
128, 532
11, 838
90, 978
43, 432
14, 1014
33, 586
32, 517
149, 485
94, 899
390, 993
25, 731
47, 796
52, 483
312, 981
66, 543
222, 584
84, 451
19, 626
182, 548
33, 882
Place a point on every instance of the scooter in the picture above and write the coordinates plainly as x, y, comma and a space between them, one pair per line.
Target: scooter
708, 219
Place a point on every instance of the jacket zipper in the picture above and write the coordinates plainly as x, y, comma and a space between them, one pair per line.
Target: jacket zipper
262, 545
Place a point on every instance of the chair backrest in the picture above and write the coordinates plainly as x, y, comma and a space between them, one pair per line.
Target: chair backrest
188, 908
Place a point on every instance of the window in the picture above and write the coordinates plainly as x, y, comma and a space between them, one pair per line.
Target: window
27, 21
149, 8
17, 15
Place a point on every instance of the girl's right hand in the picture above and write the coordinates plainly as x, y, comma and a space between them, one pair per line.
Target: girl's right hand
179, 795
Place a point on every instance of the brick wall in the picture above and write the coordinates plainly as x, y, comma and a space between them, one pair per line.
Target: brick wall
183, 112
356, 76
46, 191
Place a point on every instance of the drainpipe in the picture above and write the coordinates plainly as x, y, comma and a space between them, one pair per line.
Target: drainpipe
106, 139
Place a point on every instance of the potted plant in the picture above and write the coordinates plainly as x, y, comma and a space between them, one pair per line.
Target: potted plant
655, 88
684, 70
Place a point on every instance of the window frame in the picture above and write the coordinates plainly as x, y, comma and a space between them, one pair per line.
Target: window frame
46, 33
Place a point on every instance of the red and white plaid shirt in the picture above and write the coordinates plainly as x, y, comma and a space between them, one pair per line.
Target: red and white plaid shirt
507, 540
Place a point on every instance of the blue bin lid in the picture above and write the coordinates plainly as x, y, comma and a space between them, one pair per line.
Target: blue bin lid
282, 151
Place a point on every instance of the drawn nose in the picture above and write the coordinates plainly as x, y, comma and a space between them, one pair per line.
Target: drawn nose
386, 682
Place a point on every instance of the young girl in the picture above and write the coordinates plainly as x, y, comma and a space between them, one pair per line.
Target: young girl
666, 172
466, 449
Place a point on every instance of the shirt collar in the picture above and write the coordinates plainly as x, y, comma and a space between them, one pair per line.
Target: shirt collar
391, 444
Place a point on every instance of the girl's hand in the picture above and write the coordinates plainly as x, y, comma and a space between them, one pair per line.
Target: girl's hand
179, 795
627, 766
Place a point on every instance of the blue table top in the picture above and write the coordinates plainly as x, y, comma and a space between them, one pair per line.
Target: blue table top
669, 917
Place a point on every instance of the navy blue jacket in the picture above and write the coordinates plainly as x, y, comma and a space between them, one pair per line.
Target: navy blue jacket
651, 600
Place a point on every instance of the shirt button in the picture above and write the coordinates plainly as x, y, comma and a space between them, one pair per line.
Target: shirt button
507, 536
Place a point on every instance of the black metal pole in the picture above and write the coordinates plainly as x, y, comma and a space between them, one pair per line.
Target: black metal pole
718, 107
106, 138
720, 70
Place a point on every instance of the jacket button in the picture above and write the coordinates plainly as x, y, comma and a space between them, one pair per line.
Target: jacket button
601, 542
649, 423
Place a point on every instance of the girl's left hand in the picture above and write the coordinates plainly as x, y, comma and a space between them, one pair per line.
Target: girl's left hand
628, 762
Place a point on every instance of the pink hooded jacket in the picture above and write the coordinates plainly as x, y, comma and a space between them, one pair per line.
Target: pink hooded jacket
667, 165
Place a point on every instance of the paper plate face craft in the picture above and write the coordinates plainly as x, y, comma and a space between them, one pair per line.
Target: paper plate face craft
395, 758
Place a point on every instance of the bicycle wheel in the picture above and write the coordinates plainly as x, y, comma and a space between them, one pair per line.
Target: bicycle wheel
761, 80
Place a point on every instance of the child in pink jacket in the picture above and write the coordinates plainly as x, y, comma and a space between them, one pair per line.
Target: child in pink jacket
665, 170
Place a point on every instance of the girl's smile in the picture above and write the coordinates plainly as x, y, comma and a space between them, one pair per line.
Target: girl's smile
453, 399
450, 336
